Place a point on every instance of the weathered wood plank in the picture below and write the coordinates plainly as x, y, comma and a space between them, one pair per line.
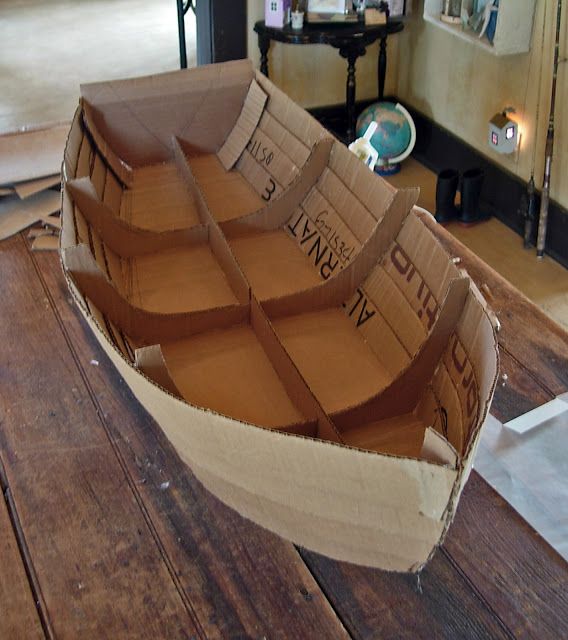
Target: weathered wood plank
242, 581
100, 570
512, 568
18, 615
375, 604
517, 391
521, 576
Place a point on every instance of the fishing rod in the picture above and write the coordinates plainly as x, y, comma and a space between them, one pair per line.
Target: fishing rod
545, 196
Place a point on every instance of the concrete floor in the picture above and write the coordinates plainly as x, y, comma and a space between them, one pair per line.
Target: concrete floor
49, 47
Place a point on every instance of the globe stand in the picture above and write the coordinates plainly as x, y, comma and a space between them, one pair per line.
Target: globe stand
390, 156
388, 169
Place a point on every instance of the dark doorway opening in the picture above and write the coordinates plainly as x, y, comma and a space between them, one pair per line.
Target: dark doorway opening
221, 30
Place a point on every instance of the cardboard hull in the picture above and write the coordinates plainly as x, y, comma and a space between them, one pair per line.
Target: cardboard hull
338, 406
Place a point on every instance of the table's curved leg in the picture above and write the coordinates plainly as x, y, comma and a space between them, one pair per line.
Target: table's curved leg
382, 68
263, 45
351, 54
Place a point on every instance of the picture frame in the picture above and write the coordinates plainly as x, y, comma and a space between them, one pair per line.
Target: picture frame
327, 6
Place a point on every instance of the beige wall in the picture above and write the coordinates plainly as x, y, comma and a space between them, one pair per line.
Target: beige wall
315, 75
460, 86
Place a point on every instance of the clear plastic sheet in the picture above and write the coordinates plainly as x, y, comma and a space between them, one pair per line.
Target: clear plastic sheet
530, 470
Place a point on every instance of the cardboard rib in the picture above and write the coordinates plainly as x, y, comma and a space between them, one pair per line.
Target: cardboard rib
146, 326
276, 213
125, 239
336, 290
392, 316
246, 123
404, 393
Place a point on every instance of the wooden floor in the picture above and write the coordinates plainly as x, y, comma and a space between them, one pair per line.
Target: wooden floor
104, 533
545, 282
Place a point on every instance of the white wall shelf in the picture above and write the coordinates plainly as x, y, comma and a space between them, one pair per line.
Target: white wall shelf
512, 34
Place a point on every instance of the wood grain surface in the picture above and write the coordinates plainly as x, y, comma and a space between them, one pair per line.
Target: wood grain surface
123, 542
18, 617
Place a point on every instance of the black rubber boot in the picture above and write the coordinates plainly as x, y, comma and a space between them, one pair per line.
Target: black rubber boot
446, 188
472, 181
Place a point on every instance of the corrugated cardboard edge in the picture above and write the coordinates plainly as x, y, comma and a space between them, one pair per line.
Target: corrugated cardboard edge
247, 122
120, 168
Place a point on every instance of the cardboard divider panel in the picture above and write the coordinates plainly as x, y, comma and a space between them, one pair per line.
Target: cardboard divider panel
332, 357
229, 264
372, 193
228, 371
146, 327
297, 150
293, 381
203, 210
290, 115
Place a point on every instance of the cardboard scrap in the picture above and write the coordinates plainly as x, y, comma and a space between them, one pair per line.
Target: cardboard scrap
29, 187
16, 214
52, 221
6, 191
32, 154
37, 232
45, 243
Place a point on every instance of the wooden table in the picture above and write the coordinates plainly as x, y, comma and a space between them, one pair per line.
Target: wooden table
350, 39
113, 537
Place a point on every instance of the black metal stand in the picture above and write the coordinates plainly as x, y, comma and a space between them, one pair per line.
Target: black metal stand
183, 6
350, 39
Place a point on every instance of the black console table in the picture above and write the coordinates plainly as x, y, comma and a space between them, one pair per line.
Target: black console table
352, 40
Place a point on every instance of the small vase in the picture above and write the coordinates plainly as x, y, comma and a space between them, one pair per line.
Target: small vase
297, 20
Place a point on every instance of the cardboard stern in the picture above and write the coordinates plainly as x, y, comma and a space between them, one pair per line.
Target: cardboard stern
314, 329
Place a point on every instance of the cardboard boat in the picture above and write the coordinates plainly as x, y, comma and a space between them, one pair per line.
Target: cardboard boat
308, 347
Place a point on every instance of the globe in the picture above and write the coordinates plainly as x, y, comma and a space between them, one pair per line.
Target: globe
394, 136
